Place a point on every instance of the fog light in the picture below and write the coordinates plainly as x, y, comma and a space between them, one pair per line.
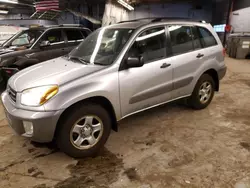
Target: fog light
28, 127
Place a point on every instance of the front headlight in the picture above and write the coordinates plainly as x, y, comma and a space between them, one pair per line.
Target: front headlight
39, 95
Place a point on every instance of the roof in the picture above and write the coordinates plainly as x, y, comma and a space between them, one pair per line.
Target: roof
44, 27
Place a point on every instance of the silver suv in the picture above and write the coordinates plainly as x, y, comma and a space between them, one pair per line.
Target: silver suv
117, 71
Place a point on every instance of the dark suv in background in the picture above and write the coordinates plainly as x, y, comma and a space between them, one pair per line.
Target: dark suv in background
36, 45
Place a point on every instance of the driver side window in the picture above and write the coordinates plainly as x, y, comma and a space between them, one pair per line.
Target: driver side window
151, 45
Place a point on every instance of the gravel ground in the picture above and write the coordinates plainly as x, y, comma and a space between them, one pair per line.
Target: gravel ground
168, 146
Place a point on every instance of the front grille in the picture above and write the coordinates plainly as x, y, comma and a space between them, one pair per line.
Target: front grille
12, 93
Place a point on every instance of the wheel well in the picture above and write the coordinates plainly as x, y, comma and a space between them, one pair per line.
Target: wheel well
104, 102
214, 75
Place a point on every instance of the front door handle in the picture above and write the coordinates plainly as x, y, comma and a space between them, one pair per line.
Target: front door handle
165, 65
200, 55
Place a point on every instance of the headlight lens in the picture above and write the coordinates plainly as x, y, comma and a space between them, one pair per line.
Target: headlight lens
39, 95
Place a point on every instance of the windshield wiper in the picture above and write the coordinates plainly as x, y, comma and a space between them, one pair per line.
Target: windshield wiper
79, 59
84, 61
97, 63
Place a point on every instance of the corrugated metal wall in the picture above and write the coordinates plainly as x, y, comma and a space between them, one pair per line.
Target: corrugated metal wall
184, 10
114, 13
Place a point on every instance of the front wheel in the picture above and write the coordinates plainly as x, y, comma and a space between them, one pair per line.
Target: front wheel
203, 92
84, 131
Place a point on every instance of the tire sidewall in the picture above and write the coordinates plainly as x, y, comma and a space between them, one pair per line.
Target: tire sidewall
195, 99
63, 138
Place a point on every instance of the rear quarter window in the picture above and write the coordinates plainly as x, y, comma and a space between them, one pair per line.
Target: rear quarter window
74, 34
85, 33
207, 38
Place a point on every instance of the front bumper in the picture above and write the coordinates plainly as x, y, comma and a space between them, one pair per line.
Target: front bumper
44, 123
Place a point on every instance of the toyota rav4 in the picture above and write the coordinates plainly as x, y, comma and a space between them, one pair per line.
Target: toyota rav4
115, 72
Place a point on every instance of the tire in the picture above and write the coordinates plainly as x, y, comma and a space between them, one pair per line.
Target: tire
68, 133
195, 100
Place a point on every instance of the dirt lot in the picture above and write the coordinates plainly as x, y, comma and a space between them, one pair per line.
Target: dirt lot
169, 146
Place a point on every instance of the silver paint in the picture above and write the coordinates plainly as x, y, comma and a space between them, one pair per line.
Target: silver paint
78, 82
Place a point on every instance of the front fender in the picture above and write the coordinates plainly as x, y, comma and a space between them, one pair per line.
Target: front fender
77, 91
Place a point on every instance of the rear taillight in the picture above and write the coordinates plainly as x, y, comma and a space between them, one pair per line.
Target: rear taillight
8, 71
224, 52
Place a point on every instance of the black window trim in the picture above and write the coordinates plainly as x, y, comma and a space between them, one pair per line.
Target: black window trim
122, 67
195, 27
191, 29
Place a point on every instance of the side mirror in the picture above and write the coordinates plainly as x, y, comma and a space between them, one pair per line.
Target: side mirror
135, 62
45, 43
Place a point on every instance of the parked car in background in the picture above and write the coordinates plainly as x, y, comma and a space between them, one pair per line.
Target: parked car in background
119, 70
6, 32
38, 44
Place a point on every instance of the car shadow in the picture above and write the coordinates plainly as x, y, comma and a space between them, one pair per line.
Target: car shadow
162, 110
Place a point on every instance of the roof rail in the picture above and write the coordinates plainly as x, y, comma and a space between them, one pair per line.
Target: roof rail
136, 20
158, 19
176, 18
71, 25
169, 18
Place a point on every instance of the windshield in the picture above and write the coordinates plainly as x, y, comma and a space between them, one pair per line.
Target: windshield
102, 46
25, 38
10, 39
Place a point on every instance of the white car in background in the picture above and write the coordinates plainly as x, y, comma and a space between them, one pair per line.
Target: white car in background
7, 32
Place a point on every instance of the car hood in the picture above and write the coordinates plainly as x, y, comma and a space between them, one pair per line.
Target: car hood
57, 71
5, 50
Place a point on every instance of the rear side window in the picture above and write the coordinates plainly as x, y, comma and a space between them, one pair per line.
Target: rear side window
207, 39
151, 45
74, 35
53, 36
181, 39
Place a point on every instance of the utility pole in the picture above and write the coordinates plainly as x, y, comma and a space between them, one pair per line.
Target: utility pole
228, 20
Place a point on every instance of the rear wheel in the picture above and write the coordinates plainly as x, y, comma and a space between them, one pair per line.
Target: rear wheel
85, 131
203, 92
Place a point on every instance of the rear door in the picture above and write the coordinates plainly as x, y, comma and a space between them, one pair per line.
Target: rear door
74, 37
187, 54
212, 49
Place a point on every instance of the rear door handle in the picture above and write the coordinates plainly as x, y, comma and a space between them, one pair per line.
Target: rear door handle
200, 55
165, 65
